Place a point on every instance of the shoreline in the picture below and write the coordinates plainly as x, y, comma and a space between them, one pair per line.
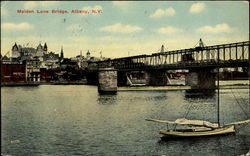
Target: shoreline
126, 88
42, 83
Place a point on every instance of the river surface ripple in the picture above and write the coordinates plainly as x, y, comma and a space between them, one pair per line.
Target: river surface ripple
75, 120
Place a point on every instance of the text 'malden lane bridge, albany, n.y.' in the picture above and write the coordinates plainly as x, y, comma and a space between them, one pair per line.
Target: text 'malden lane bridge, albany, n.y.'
200, 62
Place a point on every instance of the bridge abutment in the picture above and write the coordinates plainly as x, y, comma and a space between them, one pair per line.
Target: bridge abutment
107, 81
201, 79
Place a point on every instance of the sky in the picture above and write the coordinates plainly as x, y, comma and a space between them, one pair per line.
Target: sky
122, 28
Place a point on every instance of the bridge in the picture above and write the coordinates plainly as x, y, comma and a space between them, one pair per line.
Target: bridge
200, 60
224, 56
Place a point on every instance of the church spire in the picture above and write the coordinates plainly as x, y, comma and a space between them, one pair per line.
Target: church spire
45, 48
61, 56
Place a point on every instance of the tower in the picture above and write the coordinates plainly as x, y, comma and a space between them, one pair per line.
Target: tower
61, 55
162, 48
15, 51
39, 50
45, 48
88, 55
201, 44
100, 55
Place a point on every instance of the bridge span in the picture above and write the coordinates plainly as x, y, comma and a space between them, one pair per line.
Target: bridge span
200, 61
224, 56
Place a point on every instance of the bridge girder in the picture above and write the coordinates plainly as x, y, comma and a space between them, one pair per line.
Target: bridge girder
223, 56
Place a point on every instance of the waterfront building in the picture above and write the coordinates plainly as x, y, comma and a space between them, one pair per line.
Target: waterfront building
69, 70
81, 61
12, 71
33, 70
41, 50
5, 58
16, 51
23, 53
50, 61
28, 51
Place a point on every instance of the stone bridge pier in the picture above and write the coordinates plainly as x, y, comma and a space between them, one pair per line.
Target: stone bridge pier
107, 81
202, 78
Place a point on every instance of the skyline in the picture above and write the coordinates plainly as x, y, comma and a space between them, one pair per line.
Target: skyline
122, 28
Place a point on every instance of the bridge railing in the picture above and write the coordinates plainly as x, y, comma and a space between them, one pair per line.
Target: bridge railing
226, 53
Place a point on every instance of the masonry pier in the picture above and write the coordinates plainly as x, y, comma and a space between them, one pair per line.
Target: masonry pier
202, 78
107, 78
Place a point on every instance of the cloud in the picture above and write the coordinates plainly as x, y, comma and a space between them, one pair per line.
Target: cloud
124, 5
170, 12
160, 13
197, 8
121, 4
34, 4
169, 30
120, 28
20, 26
220, 28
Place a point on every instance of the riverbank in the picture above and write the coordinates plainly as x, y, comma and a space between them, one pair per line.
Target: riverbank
12, 84
128, 88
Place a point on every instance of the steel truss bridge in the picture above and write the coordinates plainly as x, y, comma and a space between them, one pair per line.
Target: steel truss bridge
223, 56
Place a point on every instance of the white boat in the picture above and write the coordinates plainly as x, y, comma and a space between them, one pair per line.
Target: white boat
198, 128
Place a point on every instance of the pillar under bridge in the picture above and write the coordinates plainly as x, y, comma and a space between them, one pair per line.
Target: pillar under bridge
107, 81
202, 78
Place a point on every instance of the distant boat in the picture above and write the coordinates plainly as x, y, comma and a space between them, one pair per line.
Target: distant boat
198, 128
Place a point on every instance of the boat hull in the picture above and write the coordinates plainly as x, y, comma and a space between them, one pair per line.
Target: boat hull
218, 131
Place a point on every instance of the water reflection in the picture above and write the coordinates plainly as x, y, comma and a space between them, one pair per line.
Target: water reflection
202, 94
107, 99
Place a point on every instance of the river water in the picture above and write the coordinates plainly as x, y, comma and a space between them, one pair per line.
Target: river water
71, 120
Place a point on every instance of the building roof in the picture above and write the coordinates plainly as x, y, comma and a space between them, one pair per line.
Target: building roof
45, 47
15, 47
88, 53
39, 47
51, 56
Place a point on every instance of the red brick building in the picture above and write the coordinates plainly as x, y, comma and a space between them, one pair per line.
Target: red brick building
13, 72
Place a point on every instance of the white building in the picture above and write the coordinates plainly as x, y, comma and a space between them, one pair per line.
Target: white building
33, 70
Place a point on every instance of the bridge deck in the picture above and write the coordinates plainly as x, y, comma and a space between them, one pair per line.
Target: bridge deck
224, 56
